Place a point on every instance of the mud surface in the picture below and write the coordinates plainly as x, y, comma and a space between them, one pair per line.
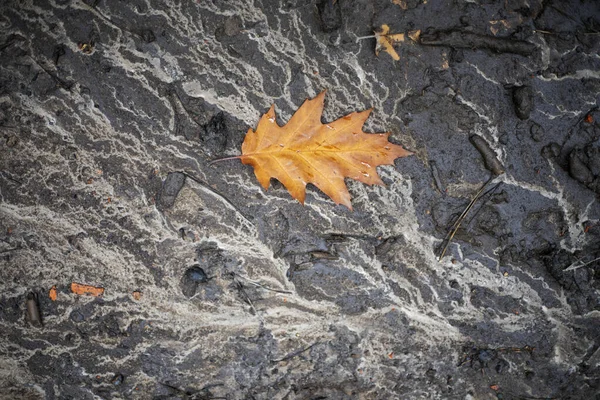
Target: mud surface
110, 112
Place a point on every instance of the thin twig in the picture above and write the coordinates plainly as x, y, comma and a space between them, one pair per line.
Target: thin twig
544, 32
262, 286
9, 250
460, 219
240, 287
11, 178
296, 353
574, 266
490, 193
217, 194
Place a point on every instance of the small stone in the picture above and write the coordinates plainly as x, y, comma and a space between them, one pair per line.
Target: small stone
117, 379
593, 155
457, 55
330, 15
485, 356
523, 101
12, 141
578, 168
76, 316
192, 277
502, 366
499, 198
537, 132
503, 139
214, 134
551, 150
148, 36
196, 274
170, 189
233, 26
261, 29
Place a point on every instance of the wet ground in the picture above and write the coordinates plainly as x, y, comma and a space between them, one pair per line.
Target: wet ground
111, 111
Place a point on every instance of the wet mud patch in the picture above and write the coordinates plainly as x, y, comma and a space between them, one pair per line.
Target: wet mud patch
110, 114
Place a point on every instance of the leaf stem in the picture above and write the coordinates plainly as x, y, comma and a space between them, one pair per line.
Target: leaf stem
365, 37
224, 159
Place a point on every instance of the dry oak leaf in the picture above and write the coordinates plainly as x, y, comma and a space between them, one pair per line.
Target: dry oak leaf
306, 151
386, 40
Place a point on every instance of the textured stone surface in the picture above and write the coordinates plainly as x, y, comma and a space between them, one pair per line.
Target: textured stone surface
111, 111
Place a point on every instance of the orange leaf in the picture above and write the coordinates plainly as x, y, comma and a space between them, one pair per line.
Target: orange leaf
80, 289
306, 151
53, 293
387, 40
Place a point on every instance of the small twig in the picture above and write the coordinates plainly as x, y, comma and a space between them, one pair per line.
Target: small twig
490, 193
9, 250
217, 194
525, 397
544, 32
436, 177
526, 348
460, 219
574, 266
262, 286
296, 353
240, 287
18, 182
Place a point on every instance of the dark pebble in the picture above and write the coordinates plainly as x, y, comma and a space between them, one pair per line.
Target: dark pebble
537, 132
457, 55
593, 154
502, 366
501, 197
578, 167
192, 277
261, 29
485, 356
529, 375
523, 101
170, 189
117, 379
430, 374
551, 150
233, 25
330, 15
58, 52
196, 274
503, 139
77, 316
214, 135
12, 141
148, 36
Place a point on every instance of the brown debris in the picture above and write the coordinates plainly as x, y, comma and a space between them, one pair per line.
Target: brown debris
81, 289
